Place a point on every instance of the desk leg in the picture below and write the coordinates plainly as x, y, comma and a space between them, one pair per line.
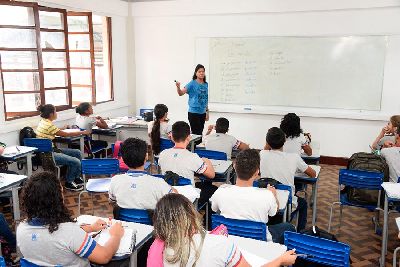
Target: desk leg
133, 260
384, 232
29, 165
314, 193
192, 146
17, 214
82, 146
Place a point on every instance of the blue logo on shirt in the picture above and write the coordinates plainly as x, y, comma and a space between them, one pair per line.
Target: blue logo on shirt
133, 185
175, 155
34, 237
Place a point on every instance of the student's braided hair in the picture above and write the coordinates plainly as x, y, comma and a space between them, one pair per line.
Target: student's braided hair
155, 136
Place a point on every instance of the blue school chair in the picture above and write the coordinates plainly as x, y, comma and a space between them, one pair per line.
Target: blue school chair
360, 180
318, 249
100, 185
211, 154
2, 262
26, 263
166, 144
134, 215
181, 181
43, 145
244, 228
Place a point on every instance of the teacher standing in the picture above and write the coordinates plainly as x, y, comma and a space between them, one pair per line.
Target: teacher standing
197, 89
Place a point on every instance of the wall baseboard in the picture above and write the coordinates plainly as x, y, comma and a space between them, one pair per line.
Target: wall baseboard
341, 161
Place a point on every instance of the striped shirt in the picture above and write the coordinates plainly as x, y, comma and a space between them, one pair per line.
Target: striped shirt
46, 129
70, 245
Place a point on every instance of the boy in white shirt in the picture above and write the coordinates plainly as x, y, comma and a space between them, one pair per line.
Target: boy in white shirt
282, 167
136, 189
221, 141
391, 153
245, 202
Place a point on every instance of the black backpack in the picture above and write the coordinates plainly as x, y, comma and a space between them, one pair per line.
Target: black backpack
366, 162
28, 132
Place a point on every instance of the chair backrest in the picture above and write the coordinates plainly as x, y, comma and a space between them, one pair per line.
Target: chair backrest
42, 144
361, 179
134, 215
166, 144
100, 166
244, 228
211, 154
279, 187
2, 262
181, 181
25, 263
321, 250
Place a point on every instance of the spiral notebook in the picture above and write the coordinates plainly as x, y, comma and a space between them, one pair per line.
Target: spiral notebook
127, 243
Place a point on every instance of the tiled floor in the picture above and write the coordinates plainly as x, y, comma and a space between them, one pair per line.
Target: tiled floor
357, 228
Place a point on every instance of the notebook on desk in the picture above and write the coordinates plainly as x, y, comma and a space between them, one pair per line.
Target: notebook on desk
126, 244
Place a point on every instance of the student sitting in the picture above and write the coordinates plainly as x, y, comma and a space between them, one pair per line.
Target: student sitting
49, 236
296, 141
282, 167
184, 242
136, 189
221, 141
85, 121
387, 133
186, 164
64, 156
233, 201
159, 128
391, 153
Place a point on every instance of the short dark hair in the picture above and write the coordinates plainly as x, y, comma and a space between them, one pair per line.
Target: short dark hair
290, 125
275, 138
222, 125
46, 110
247, 163
133, 151
42, 198
180, 131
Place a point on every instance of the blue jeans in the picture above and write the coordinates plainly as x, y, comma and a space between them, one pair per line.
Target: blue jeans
277, 231
6, 232
72, 159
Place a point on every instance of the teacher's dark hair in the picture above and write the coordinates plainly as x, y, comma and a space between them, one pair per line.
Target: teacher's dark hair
155, 137
199, 66
46, 110
42, 200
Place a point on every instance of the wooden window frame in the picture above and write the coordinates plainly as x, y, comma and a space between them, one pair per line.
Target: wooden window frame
9, 116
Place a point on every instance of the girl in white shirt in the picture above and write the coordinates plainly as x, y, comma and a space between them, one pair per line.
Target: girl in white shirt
159, 128
296, 141
186, 243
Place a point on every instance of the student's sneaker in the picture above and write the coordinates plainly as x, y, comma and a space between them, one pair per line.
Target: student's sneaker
78, 181
73, 186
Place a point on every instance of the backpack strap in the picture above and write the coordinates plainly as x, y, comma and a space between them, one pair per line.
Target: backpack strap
117, 146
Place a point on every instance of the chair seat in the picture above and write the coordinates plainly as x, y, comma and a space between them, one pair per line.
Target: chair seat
101, 185
345, 201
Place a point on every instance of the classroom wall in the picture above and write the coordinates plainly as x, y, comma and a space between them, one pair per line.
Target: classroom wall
165, 34
118, 11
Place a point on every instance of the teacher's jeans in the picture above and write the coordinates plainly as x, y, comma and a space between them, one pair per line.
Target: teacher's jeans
197, 122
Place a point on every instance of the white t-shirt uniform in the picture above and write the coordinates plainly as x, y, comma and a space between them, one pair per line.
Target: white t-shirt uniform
244, 203
282, 167
70, 245
217, 251
392, 157
182, 162
137, 190
85, 122
221, 142
165, 129
294, 144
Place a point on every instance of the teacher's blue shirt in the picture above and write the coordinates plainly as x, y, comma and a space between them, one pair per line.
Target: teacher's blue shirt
198, 96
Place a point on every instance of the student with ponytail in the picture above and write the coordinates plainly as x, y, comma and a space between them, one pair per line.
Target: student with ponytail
64, 156
159, 128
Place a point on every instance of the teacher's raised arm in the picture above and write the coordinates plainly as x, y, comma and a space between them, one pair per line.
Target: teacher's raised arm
197, 89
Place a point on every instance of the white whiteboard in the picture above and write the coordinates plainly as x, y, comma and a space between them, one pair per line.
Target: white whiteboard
308, 72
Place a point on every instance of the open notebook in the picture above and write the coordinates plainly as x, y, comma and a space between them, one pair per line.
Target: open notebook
127, 243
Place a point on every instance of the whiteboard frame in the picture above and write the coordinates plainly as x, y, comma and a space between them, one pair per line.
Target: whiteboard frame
382, 115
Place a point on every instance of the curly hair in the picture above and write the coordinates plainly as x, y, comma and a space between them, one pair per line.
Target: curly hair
290, 125
42, 199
